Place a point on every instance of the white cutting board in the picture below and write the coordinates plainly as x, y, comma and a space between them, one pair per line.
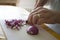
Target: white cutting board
22, 35
12, 12
2, 36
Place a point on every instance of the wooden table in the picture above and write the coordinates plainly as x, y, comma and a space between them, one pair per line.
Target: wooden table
12, 12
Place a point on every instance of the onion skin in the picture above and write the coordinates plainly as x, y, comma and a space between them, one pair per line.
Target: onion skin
32, 30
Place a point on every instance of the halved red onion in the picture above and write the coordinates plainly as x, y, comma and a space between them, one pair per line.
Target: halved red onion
32, 30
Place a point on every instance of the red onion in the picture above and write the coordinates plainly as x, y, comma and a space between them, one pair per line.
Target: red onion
14, 24
32, 30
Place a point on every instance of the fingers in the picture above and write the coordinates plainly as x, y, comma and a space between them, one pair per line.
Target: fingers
37, 10
40, 3
46, 16
41, 21
30, 19
31, 16
41, 11
35, 18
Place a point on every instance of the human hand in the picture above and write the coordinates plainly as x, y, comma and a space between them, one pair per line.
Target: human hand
42, 15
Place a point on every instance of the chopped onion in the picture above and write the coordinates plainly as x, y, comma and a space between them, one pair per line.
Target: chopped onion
14, 24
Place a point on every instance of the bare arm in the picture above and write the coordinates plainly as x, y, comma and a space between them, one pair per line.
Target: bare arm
40, 3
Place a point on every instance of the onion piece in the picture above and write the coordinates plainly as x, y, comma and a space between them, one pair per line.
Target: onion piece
32, 30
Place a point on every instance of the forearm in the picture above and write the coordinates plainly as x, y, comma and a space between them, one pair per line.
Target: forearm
40, 3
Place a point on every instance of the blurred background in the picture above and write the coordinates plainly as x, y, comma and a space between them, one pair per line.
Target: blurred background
27, 4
